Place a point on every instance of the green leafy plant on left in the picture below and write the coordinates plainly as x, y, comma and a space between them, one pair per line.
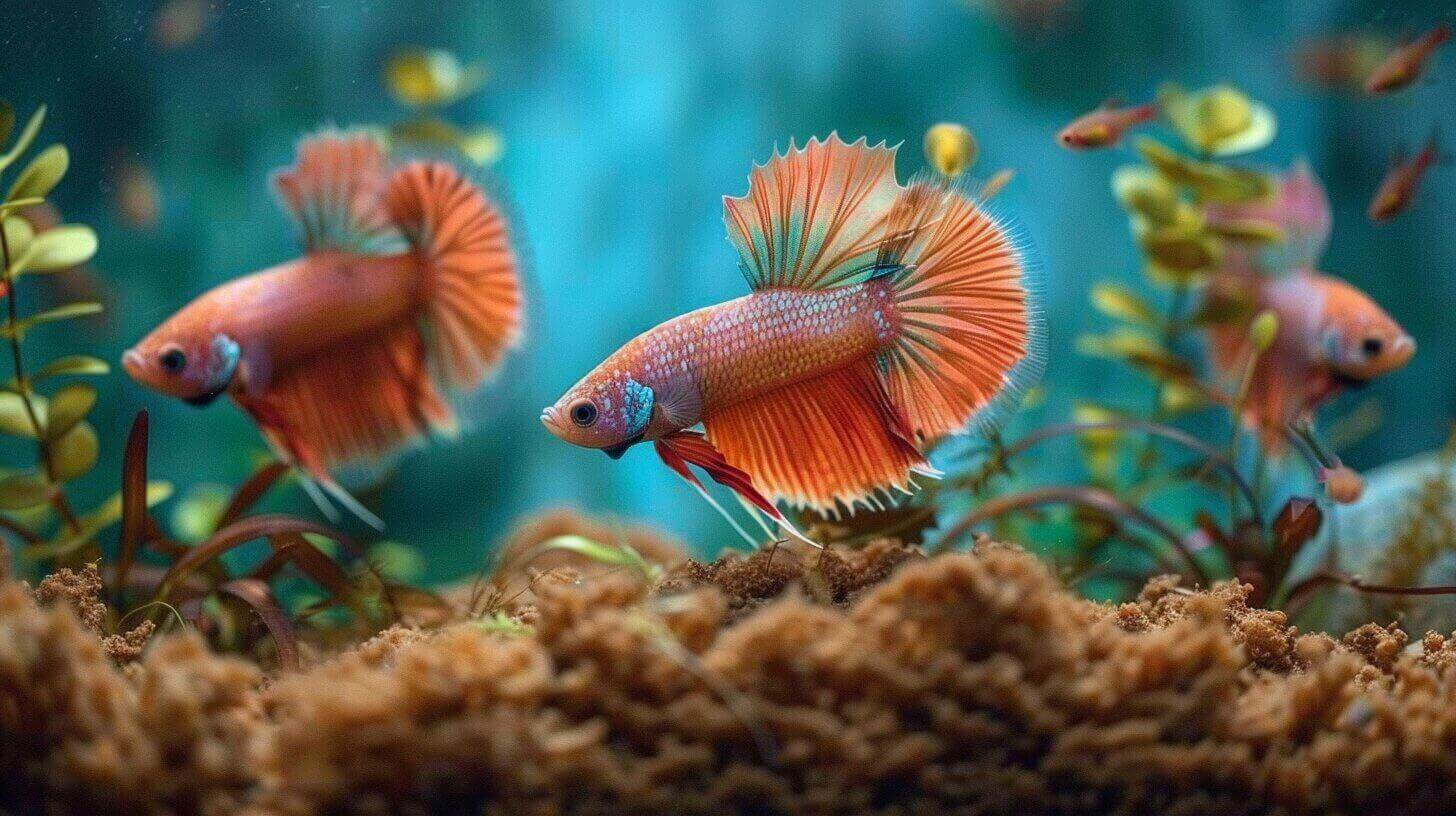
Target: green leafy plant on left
46, 405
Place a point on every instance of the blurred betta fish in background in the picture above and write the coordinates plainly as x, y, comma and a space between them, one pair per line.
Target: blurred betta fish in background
1331, 336
1398, 189
882, 317
1104, 126
1407, 63
407, 291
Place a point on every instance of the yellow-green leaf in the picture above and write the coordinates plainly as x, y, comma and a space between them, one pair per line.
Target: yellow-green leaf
950, 149
99, 519
18, 234
23, 491
69, 406
22, 144
16, 204
73, 455
43, 173
14, 420
396, 561
1122, 303
74, 364
66, 312
59, 248
431, 76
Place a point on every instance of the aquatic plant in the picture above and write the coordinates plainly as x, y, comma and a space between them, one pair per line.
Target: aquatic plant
47, 405
426, 80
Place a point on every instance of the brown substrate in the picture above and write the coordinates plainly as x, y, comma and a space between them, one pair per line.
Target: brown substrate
960, 683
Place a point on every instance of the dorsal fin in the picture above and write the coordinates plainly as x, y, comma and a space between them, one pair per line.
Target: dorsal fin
334, 193
811, 218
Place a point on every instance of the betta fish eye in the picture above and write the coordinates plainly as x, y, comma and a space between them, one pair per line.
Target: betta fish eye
173, 360
1372, 346
583, 413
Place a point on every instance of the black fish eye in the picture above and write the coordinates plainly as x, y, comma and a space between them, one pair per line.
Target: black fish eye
1372, 346
584, 413
172, 361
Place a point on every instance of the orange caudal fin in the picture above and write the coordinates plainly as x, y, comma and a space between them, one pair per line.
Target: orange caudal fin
972, 336
472, 281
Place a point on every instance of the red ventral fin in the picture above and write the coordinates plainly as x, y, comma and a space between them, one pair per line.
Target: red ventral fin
685, 448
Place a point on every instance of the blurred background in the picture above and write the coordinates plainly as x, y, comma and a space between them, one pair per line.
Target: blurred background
621, 126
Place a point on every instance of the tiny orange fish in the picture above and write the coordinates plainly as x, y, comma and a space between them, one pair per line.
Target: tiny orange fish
1104, 126
1406, 64
1398, 189
1331, 337
882, 317
407, 291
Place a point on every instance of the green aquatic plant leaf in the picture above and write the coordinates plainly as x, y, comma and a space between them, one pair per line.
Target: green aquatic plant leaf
397, 561
431, 77
23, 142
1144, 191
93, 523
620, 555
23, 491
67, 312
57, 248
1208, 181
42, 175
18, 235
76, 364
1120, 302
68, 406
18, 204
15, 419
74, 454
481, 145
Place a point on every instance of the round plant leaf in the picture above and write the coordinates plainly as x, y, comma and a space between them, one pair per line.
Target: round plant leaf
43, 173
23, 491
60, 248
73, 455
14, 420
68, 407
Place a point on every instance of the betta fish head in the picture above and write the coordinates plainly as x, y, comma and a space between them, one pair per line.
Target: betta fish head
1361, 341
608, 410
179, 361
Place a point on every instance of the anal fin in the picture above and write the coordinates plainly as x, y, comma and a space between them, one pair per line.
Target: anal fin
834, 440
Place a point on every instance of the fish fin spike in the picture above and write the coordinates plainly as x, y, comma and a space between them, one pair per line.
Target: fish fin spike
352, 402
972, 333
472, 283
334, 194
819, 443
347, 501
317, 496
811, 217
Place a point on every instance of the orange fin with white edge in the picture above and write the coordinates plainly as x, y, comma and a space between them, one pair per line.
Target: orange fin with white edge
829, 442
972, 337
472, 275
811, 217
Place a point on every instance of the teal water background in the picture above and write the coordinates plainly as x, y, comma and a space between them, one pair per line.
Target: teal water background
625, 123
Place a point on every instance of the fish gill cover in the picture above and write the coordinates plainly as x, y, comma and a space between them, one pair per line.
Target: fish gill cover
1195, 569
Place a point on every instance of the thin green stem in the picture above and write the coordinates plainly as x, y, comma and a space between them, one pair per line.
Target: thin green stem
22, 386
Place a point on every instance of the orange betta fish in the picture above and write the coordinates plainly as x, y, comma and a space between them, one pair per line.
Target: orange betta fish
1104, 126
1331, 336
1406, 64
882, 317
1398, 189
407, 292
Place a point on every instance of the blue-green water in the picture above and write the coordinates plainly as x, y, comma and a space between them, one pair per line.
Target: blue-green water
625, 123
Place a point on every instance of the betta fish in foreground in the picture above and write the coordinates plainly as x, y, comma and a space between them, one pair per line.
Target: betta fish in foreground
882, 317
407, 292
1331, 336
1104, 126
1406, 64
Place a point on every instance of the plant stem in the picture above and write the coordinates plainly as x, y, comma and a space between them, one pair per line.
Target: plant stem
22, 386
1172, 326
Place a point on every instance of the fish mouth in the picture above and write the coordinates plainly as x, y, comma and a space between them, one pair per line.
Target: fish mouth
617, 450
